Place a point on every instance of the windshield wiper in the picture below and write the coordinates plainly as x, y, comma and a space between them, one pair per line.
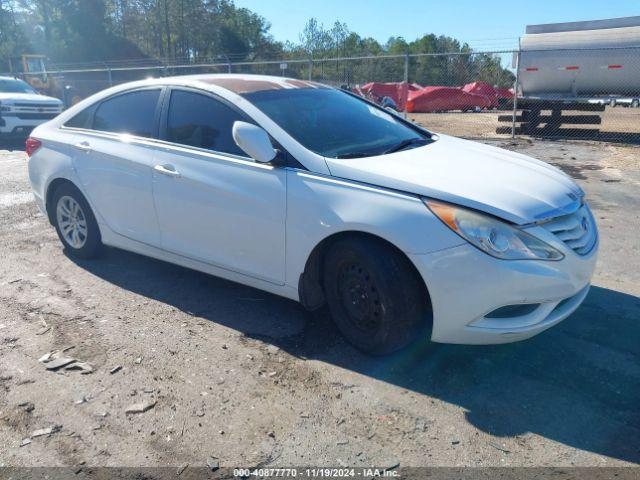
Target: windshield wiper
406, 143
354, 155
400, 146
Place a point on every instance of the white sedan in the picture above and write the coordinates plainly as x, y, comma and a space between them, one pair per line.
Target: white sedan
317, 195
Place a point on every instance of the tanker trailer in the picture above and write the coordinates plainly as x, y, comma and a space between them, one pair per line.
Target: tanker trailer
575, 66
594, 60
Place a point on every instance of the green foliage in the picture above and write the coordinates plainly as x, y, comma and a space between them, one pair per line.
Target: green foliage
192, 31
460, 66
12, 37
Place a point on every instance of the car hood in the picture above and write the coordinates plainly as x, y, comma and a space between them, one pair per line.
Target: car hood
27, 97
508, 185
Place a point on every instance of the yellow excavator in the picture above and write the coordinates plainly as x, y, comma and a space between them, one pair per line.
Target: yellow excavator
32, 69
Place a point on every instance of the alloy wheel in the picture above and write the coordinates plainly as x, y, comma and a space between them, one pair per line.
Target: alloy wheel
72, 222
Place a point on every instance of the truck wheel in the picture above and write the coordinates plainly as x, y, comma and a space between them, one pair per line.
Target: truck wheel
374, 295
75, 223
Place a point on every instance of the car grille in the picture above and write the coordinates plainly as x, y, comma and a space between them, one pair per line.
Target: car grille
35, 110
54, 106
577, 230
36, 116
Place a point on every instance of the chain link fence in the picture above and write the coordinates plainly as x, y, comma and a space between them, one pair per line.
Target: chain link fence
560, 93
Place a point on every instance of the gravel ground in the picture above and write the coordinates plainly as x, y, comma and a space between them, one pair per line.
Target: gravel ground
615, 122
252, 379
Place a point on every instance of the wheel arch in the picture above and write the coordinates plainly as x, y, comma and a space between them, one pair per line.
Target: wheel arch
51, 190
310, 291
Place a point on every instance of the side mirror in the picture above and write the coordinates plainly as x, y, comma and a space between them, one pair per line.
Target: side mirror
254, 141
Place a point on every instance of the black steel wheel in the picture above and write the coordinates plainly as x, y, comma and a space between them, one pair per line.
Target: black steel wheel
374, 294
359, 297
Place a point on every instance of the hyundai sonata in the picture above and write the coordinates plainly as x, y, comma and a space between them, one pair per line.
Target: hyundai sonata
317, 195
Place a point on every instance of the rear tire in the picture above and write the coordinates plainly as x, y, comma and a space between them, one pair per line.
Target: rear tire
75, 223
374, 295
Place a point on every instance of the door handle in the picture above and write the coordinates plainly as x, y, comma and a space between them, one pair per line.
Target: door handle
167, 169
84, 146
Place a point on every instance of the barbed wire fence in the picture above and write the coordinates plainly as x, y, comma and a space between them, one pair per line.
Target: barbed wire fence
467, 94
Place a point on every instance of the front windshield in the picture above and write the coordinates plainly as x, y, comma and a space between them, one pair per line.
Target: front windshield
11, 85
335, 124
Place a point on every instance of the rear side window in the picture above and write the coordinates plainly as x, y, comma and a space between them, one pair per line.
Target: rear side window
82, 119
132, 113
201, 121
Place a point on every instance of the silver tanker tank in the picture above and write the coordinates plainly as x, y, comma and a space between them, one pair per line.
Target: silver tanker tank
598, 58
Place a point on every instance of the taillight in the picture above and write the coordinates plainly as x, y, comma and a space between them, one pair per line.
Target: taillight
31, 146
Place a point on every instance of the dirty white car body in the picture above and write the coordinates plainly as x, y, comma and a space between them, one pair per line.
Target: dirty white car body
260, 223
21, 111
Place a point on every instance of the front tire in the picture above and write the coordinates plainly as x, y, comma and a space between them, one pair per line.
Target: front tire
75, 223
374, 295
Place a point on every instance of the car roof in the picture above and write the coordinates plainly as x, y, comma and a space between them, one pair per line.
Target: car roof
243, 83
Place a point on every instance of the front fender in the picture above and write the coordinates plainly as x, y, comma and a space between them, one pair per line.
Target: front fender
320, 206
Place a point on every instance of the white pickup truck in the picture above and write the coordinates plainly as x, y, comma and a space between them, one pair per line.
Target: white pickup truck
22, 108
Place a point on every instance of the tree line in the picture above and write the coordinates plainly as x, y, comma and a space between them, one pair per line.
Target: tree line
195, 31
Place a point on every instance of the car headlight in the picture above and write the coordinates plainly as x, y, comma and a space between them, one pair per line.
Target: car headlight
492, 236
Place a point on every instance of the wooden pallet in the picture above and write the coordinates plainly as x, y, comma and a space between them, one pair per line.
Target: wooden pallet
530, 119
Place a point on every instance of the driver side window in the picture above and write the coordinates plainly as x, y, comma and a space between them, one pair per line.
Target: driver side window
201, 121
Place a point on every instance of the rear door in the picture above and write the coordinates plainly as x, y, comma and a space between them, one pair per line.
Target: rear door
115, 158
214, 203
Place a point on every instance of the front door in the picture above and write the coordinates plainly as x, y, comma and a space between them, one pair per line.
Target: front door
214, 204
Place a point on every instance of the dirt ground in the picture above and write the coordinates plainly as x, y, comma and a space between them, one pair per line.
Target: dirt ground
253, 379
618, 120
